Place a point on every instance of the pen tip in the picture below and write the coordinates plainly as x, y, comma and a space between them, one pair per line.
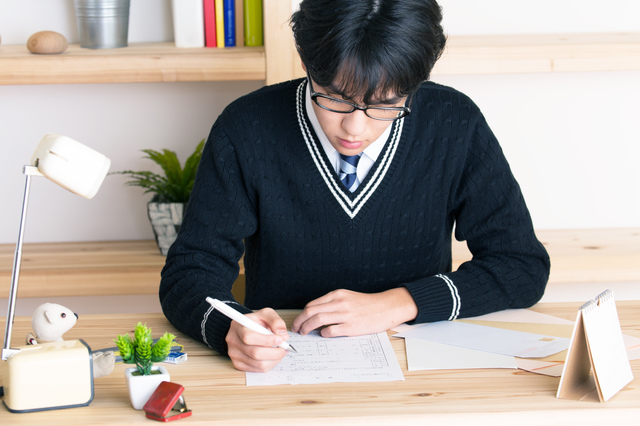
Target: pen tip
292, 349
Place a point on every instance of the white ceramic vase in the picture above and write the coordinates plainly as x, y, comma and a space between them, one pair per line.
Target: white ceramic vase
142, 387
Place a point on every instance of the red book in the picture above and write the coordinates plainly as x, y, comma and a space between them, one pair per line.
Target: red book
209, 23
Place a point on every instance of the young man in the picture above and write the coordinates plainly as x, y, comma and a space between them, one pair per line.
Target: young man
342, 190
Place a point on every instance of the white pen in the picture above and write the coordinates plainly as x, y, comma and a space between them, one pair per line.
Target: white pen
245, 321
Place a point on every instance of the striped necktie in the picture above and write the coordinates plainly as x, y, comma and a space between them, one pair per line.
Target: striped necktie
348, 168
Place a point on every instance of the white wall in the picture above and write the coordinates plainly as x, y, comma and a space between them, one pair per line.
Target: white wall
466, 17
572, 139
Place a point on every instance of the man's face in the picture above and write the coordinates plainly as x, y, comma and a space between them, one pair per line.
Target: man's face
351, 133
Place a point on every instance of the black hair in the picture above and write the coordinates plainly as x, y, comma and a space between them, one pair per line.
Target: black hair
367, 48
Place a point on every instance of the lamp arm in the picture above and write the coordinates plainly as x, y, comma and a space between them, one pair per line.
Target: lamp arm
17, 261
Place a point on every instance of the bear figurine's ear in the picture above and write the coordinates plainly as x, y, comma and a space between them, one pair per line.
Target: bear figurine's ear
50, 316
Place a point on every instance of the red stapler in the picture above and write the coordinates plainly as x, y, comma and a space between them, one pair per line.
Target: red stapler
166, 403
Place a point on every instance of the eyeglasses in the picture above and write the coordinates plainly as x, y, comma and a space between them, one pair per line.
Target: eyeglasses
343, 107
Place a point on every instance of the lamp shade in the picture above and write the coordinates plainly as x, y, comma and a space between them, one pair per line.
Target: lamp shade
70, 164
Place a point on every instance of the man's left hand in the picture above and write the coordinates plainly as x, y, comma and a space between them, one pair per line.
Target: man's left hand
349, 313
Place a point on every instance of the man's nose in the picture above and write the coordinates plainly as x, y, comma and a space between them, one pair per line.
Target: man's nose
355, 123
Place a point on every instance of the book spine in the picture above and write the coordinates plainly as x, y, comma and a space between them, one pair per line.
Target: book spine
220, 22
239, 23
253, 23
209, 10
229, 23
188, 18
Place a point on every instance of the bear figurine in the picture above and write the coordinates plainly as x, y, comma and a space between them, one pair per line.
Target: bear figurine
50, 321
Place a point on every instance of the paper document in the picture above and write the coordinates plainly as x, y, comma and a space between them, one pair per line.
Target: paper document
319, 359
520, 315
488, 339
427, 355
508, 315
423, 355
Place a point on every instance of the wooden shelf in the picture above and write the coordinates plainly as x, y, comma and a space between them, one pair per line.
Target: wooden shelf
83, 269
138, 63
162, 62
133, 267
540, 53
99, 268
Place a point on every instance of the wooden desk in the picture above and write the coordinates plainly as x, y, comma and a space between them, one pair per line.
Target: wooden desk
217, 394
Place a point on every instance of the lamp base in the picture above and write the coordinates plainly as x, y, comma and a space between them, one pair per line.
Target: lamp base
48, 376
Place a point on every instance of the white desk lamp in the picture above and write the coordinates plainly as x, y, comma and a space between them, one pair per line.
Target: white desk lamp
51, 375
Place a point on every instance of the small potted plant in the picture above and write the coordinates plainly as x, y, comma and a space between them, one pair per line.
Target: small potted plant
170, 190
144, 378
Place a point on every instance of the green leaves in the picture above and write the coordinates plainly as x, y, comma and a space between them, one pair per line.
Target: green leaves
125, 346
176, 184
161, 349
141, 350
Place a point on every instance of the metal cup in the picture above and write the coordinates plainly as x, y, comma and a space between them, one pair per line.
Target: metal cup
103, 24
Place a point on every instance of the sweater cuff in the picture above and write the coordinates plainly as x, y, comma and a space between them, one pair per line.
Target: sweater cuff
215, 327
437, 298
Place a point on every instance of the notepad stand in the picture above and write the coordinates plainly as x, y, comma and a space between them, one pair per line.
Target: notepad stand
597, 366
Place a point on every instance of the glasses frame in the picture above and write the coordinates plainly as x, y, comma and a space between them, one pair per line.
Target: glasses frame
403, 111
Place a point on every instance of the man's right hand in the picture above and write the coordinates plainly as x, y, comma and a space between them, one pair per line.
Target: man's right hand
255, 352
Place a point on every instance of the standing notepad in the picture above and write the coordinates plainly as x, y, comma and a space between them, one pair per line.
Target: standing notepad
597, 365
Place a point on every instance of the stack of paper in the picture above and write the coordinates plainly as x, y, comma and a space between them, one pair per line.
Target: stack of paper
517, 338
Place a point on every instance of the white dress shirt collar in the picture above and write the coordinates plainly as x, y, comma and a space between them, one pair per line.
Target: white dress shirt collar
369, 156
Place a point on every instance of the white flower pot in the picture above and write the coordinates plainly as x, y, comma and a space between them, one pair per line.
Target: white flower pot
142, 387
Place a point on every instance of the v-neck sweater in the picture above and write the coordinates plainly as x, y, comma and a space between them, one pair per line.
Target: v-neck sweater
265, 189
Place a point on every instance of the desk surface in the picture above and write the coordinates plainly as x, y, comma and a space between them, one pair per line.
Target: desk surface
217, 393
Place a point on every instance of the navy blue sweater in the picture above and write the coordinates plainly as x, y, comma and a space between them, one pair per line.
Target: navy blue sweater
265, 188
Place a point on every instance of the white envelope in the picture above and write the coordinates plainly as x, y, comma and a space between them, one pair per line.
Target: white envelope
424, 355
488, 339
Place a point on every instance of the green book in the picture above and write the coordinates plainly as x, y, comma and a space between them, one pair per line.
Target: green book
253, 23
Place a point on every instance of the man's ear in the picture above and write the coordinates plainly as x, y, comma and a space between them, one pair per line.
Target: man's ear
304, 68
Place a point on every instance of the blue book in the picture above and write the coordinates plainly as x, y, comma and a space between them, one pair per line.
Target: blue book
229, 23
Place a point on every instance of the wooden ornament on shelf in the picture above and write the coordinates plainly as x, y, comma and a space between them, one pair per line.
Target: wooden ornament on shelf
47, 42
597, 365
